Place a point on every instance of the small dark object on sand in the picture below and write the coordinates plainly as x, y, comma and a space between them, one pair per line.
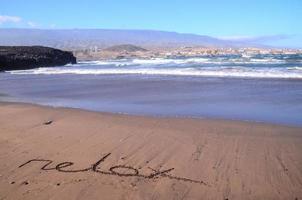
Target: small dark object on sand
13, 182
25, 183
48, 122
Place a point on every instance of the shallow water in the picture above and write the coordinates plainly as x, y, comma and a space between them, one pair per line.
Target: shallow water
265, 100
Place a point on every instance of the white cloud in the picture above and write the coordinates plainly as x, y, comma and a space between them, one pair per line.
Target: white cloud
6, 19
17, 20
31, 24
263, 38
236, 37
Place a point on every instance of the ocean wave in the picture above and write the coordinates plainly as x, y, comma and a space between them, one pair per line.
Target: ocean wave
160, 61
294, 68
189, 71
100, 63
218, 66
194, 60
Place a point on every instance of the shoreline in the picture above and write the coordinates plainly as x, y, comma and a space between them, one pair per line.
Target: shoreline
65, 153
180, 117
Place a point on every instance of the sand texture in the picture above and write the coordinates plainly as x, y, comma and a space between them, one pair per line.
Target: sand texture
57, 153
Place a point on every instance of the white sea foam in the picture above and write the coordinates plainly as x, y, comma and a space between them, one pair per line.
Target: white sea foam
198, 60
159, 61
294, 68
266, 67
225, 71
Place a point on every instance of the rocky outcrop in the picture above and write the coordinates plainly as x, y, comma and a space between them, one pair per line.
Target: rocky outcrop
28, 57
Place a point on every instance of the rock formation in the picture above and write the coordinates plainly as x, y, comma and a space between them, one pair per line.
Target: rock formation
28, 57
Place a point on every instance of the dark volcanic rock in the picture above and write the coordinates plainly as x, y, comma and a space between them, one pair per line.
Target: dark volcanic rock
28, 57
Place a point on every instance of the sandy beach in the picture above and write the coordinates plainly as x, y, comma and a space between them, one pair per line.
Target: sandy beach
60, 153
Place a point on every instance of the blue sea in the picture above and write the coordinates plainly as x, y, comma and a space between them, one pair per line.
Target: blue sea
262, 88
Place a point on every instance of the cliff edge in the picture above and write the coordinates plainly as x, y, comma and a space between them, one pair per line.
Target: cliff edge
28, 57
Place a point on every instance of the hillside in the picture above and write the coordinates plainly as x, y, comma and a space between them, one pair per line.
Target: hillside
125, 47
103, 38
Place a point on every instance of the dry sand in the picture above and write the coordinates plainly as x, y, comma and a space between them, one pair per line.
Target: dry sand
143, 157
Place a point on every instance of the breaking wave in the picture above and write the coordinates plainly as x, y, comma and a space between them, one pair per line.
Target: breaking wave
254, 67
211, 72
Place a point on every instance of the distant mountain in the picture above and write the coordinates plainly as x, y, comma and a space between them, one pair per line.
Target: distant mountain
125, 47
102, 38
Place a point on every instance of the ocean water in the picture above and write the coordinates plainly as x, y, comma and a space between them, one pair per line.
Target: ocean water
257, 66
264, 88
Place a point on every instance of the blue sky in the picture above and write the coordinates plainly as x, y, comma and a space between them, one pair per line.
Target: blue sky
236, 19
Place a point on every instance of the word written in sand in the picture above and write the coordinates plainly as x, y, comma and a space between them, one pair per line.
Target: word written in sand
128, 171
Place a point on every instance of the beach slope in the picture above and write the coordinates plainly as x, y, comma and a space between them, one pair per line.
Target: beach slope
58, 153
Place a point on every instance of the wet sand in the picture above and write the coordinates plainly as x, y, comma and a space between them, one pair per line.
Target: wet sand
58, 153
